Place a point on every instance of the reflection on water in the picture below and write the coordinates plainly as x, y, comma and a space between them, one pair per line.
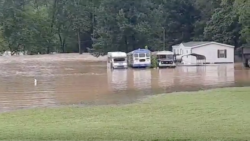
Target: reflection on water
117, 79
209, 75
77, 82
166, 77
142, 79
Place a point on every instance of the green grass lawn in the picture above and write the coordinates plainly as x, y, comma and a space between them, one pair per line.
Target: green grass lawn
222, 114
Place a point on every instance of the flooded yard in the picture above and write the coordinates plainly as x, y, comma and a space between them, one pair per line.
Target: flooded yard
75, 81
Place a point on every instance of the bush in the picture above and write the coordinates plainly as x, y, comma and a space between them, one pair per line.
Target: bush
154, 62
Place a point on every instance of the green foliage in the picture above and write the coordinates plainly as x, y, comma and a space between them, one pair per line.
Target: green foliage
242, 8
154, 62
3, 43
115, 25
224, 26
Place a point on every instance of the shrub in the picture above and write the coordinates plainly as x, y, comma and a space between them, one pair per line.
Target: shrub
154, 62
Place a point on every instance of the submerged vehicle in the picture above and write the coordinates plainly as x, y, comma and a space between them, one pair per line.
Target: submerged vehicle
140, 58
165, 59
117, 60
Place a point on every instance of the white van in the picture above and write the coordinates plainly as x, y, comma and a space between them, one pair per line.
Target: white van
117, 60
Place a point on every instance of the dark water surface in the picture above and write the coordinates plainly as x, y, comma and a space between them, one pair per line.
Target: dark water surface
61, 82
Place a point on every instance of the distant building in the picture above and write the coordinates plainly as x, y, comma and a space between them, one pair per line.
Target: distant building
8, 53
210, 52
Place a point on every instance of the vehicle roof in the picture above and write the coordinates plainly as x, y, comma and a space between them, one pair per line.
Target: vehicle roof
164, 53
140, 51
117, 54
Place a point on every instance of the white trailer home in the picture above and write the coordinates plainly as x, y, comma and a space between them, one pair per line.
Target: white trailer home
209, 52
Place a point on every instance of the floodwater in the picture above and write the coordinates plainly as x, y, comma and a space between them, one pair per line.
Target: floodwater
75, 81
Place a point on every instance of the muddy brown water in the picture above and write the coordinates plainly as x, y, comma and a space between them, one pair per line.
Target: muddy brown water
75, 81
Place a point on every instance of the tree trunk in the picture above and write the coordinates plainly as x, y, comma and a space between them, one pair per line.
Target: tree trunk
133, 42
126, 43
52, 24
79, 43
63, 45
164, 38
62, 42
48, 50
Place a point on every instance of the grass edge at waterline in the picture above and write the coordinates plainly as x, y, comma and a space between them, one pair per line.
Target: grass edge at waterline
220, 114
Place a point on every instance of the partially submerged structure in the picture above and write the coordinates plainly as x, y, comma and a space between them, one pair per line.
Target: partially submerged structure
139, 58
9, 53
204, 52
165, 59
117, 60
196, 59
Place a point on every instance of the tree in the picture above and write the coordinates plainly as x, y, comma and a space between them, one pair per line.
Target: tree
45, 26
224, 26
178, 20
205, 11
12, 22
242, 8
122, 25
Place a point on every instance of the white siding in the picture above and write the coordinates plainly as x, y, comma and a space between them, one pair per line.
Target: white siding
182, 50
189, 60
211, 53
174, 50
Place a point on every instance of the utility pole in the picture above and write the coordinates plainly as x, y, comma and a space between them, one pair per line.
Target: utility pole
164, 38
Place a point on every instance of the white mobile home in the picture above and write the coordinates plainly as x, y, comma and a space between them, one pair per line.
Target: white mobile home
210, 52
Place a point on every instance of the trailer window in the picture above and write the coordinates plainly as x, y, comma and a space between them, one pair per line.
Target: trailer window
148, 55
222, 54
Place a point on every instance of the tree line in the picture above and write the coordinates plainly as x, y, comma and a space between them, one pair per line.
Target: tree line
45, 26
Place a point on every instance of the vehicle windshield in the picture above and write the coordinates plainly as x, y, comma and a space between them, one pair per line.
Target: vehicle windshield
142, 55
168, 57
136, 55
119, 59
